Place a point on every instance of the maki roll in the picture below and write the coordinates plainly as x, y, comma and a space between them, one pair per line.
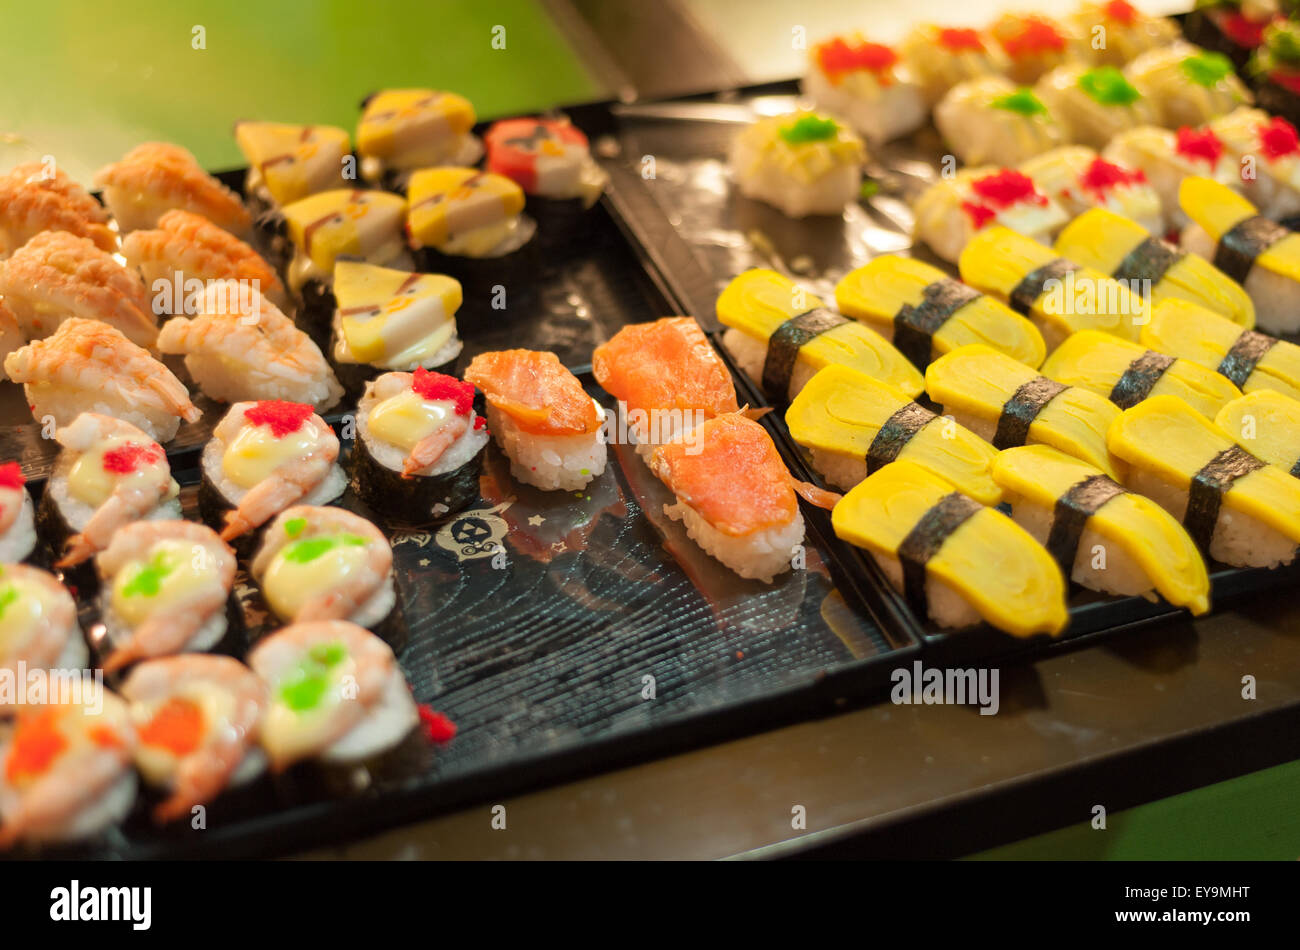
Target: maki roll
542, 418
17, 516
1275, 66
853, 426
419, 446
802, 163
38, 626
956, 561
405, 129
862, 82
186, 249
952, 210
667, 379
356, 225
1266, 424
1094, 103
468, 223
1127, 31
286, 163
1256, 252
65, 770
1035, 44
167, 589
940, 57
1127, 373
1008, 404
1166, 158
392, 320
336, 694
925, 313
1187, 85
1079, 180
550, 160
1078, 513
735, 497
155, 177
35, 197
57, 275
1057, 294
781, 335
1239, 510
239, 346
262, 458
991, 121
326, 564
1251, 361
108, 473
1273, 148
1154, 268
198, 719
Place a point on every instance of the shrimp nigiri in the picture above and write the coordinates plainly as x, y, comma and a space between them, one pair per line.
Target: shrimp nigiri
155, 177
36, 197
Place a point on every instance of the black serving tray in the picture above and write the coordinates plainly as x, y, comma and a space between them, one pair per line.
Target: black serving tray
543, 661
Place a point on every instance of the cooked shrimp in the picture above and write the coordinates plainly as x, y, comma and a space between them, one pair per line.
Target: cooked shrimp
46, 643
57, 275
155, 177
167, 630
358, 587
35, 198
429, 449
62, 760
193, 247
240, 346
369, 662
133, 497
175, 687
88, 365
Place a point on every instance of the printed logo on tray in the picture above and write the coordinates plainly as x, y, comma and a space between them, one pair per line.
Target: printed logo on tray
473, 534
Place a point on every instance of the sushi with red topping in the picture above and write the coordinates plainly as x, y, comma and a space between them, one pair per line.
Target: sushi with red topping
1235, 28
1276, 68
17, 515
1166, 158
865, 84
940, 57
1035, 45
1080, 179
952, 210
1118, 32
1271, 180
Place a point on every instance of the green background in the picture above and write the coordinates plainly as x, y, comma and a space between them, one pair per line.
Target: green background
85, 81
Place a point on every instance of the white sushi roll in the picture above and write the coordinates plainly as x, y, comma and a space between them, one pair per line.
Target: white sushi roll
38, 626
989, 121
17, 515
863, 83
801, 163
1094, 104
1188, 85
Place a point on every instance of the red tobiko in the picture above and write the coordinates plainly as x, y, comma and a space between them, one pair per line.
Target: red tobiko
1240, 28
125, 459
1101, 176
956, 39
1199, 143
437, 727
479, 423
1035, 36
435, 386
1278, 138
838, 56
11, 475
1287, 79
1006, 188
283, 417
980, 215
1121, 12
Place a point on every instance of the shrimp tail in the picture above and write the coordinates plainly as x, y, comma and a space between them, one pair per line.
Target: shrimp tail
818, 497
79, 550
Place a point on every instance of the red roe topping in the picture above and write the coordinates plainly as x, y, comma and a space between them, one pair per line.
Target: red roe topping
1200, 144
436, 386
1241, 29
837, 57
1101, 176
979, 214
11, 475
176, 727
479, 423
1289, 81
283, 417
37, 742
955, 39
125, 459
1006, 188
437, 727
1035, 36
1121, 11
1276, 139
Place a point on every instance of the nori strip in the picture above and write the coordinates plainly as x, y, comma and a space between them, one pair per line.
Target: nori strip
412, 500
925, 539
1149, 260
1246, 352
1205, 494
1070, 516
1032, 284
915, 327
1295, 469
479, 277
315, 314
562, 223
1247, 239
897, 431
784, 344
1139, 379
1020, 411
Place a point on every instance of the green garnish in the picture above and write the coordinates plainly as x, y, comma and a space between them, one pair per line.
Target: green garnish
305, 688
308, 549
1206, 69
148, 580
809, 128
7, 597
293, 527
868, 188
1022, 102
1107, 85
328, 654
1283, 41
